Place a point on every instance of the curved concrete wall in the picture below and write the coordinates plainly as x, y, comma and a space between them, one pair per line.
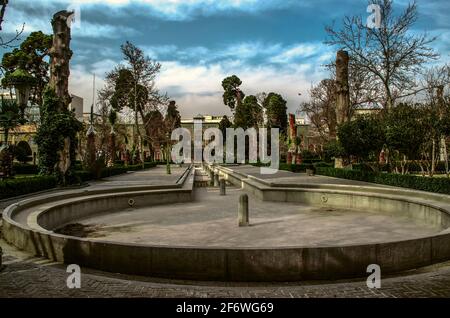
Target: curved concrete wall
59, 215
235, 264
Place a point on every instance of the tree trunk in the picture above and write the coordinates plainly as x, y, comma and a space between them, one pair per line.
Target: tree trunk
342, 87
136, 121
389, 101
443, 146
433, 156
6, 134
91, 156
342, 94
112, 148
60, 55
445, 152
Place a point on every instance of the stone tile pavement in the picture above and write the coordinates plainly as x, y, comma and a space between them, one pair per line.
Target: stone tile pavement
26, 276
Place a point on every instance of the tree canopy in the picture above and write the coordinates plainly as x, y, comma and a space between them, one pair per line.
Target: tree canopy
232, 96
363, 137
31, 57
276, 112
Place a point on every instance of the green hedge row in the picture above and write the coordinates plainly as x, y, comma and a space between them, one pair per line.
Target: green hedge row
302, 167
20, 168
20, 186
25, 168
297, 168
15, 187
112, 171
412, 167
437, 185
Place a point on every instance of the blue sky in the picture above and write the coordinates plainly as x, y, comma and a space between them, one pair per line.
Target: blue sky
272, 45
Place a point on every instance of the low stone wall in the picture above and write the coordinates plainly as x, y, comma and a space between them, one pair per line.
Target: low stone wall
59, 215
237, 264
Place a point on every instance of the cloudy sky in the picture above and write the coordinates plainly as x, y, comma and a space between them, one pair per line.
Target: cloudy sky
272, 45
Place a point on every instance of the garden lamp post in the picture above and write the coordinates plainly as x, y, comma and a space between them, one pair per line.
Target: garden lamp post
22, 82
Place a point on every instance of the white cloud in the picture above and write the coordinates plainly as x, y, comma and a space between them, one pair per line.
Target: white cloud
237, 51
156, 51
187, 9
198, 88
196, 84
301, 50
85, 29
81, 79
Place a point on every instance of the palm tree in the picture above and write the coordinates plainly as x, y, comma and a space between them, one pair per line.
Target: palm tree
9, 116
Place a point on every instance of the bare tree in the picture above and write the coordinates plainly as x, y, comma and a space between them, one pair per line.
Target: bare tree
144, 71
435, 81
8, 43
134, 84
392, 54
321, 107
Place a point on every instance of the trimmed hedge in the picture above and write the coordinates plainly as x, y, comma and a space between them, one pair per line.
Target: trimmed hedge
295, 168
437, 185
83, 176
112, 171
20, 186
302, 167
24, 168
413, 167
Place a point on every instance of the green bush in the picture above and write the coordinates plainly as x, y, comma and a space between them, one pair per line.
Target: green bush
311, 161
296, 168
368, 167
83, 175
437, 185
119, 169
20, 186
310, 164
22, 152
323, 164
23, 168
415, 167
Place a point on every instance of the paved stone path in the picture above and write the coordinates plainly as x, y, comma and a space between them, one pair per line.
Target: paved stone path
287, 177
25, 276
155, 176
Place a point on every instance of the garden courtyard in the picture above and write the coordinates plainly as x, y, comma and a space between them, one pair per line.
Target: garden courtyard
192, 161
210, 221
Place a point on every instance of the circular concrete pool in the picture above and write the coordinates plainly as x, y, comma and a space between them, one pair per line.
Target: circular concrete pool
211, 221
295, 233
